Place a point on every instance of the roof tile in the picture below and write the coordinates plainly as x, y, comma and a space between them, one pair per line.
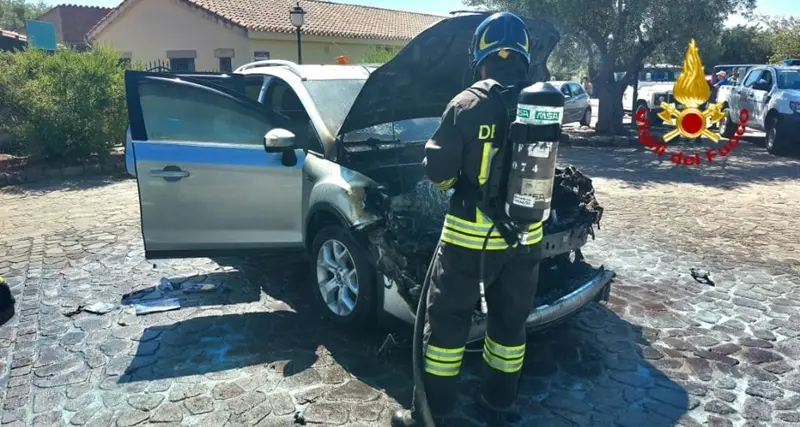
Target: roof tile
323, 18
76, 21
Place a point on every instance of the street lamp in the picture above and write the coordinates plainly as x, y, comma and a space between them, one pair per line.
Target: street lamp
298, 17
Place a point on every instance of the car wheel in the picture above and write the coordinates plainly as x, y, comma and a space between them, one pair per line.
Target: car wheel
343, 278
587, 117
775, 140
726, 126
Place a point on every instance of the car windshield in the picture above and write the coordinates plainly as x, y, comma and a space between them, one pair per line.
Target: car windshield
789, 79
659, 75
412, 130
333, 99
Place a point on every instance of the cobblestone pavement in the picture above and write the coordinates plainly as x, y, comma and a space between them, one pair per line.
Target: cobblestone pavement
665, 351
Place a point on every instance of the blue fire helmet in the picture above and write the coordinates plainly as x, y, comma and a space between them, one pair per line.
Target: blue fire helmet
501, 33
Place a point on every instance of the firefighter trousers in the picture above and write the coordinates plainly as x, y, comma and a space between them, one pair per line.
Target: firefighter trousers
511, 278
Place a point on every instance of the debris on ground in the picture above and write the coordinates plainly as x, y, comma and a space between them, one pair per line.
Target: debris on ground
157, 306
191, 288
163, 297
100, 308
701, 276
388, 345
74, 312
146, 294
164, 285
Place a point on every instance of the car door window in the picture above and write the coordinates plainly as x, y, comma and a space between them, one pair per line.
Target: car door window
576, 89
253, 85
766, 77
752, 78
189, 113
282, 98
565, 91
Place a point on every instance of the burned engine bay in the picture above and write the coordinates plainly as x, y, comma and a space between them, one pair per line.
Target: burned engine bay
412, 212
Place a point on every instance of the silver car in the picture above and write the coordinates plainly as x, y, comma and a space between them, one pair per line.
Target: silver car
324, 159
577, 105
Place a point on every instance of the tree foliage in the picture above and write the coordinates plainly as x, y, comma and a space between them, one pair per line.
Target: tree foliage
63, 107
623, 33
742, 45
14, 13
568, 59
784, 36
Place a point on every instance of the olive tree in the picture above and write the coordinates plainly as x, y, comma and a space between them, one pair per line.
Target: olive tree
621, 34
14, 13
784, 36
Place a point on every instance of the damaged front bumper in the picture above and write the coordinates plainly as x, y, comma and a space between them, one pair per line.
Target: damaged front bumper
592, 288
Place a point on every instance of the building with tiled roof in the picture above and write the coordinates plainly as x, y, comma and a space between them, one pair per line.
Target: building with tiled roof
222, 34
73, 22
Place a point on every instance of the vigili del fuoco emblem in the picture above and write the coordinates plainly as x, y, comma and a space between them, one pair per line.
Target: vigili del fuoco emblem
691, 91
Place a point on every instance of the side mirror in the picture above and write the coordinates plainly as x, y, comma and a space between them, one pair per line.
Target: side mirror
278, 141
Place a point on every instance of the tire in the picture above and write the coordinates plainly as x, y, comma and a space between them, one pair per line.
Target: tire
362, 312
587, 117
776, 140
726, 126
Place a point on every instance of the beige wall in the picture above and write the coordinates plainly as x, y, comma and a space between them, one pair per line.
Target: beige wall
150, 28
316, 50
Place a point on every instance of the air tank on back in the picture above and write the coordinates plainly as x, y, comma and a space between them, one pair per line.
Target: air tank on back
534, 137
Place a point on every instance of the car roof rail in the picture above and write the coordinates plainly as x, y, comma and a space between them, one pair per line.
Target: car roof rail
272, 63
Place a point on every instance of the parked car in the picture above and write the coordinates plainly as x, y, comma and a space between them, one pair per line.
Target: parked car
577, 105
326, 159
655, 87
771, 94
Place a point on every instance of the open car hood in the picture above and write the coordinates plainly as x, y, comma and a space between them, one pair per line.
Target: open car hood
431, 69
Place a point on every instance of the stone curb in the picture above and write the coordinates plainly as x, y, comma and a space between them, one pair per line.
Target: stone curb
599, 140
115, 164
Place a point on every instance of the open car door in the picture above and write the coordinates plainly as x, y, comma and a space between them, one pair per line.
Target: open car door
207, 187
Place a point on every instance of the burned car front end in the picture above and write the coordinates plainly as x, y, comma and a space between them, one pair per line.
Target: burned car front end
400, 214
411, 212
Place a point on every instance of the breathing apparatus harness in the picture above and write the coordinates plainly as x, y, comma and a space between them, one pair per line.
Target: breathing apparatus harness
516, 194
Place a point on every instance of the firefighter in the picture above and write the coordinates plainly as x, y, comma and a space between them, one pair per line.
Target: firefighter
458, 156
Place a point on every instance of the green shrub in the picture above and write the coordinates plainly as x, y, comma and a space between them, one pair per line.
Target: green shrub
380, 54
63, 107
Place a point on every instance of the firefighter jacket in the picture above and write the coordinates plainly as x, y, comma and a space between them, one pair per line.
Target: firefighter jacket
458, 156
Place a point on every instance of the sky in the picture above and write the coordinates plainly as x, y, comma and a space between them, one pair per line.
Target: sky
442, 7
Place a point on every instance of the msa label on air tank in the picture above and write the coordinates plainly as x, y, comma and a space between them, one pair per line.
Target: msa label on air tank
531, 191
539, 115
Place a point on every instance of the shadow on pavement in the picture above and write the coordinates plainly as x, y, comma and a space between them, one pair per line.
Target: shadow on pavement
592, 370
66, 184
748, 163
234, 289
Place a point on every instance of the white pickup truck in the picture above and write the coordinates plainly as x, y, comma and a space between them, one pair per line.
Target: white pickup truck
655, 87
771, 96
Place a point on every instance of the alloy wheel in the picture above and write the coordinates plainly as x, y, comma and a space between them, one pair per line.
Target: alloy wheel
337, 277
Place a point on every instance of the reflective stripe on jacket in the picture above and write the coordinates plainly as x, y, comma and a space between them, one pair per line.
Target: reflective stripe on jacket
468, 234
458, 155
